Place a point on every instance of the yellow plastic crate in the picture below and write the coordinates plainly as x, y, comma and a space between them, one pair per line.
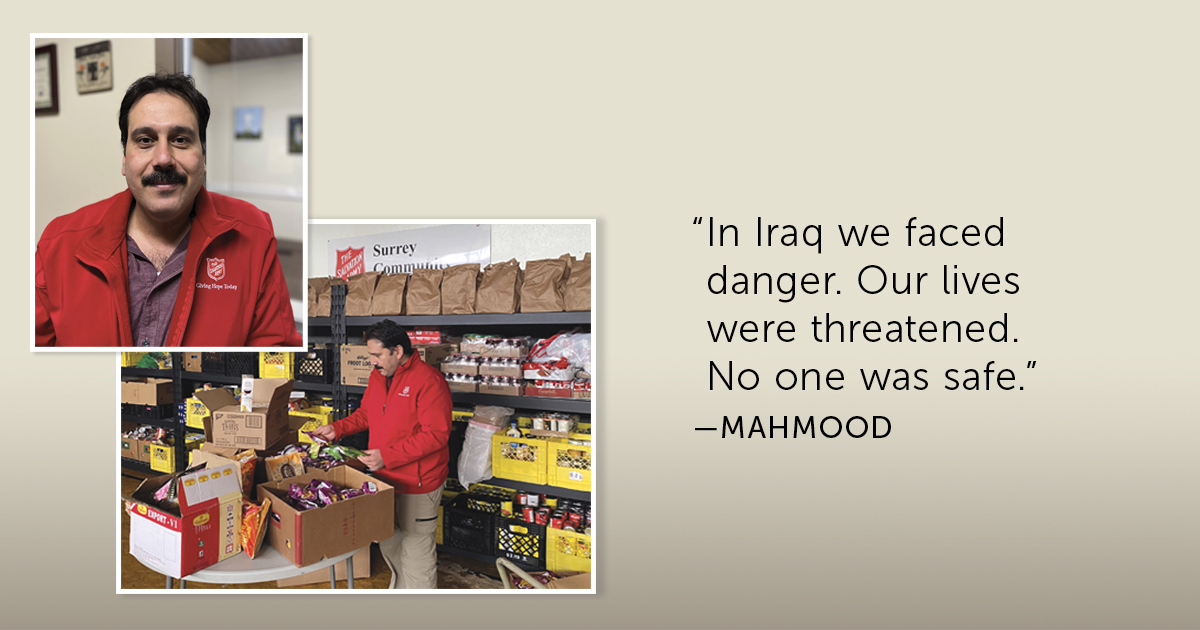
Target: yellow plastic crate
568, 551
319, 417
519, 459
275, 365
162, 458
130, 359
196, 412
439, 525
569, 465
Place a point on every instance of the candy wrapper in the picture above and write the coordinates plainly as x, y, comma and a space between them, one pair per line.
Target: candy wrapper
320, 493
283, 466
254, 517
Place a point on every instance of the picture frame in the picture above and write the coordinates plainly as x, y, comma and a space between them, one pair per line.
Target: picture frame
45, 97
295, 134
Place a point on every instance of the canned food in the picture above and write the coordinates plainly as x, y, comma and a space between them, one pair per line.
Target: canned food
528, 514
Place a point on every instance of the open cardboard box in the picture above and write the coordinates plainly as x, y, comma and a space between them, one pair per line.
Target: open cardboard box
258, 429
204, 529
305, 537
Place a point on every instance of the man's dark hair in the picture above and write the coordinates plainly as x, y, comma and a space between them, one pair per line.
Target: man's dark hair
179, 85
390, 334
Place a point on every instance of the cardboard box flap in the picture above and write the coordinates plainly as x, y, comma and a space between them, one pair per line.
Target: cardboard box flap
272, 392
219, 483
215, 399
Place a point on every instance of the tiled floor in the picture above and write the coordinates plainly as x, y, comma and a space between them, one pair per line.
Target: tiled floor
453, 572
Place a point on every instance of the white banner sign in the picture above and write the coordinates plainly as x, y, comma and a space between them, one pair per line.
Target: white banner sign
405, 250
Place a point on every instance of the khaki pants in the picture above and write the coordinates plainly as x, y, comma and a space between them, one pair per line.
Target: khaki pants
411, 552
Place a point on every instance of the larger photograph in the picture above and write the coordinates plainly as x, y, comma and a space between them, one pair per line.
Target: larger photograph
438, 433
168, 193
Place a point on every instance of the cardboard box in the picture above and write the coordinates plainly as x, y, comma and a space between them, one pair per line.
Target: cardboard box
362, 571
460, 368
144, 451
307, 537
494, 369
356, 366
128, 447
435, 354
205, 530
147, 391
462, 387
191, 362
550, 389
581, 389
579, 581
258, 429
502, 390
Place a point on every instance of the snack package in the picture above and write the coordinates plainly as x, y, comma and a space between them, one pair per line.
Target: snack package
247, 460
254, 516
281, 467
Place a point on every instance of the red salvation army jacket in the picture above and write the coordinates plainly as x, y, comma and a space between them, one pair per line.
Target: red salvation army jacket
410, 425
232, 291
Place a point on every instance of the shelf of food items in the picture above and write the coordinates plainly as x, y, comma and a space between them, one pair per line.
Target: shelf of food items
552, 374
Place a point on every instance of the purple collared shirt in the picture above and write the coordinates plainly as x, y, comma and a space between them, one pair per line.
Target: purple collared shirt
152, 294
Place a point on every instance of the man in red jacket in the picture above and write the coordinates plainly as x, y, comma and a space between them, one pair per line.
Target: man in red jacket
164, 263
407, 409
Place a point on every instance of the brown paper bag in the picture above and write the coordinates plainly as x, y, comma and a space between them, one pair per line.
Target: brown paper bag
323, 300
389, 294
577, 292
315, 286
424, 292
458, 289
542, 291
358, 294
499, 288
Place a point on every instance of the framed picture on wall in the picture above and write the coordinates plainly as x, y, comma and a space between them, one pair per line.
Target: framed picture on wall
248, 123
295, 134
45, 60
93, 67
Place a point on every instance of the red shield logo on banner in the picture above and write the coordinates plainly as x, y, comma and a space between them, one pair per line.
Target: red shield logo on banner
216, 268
349, 262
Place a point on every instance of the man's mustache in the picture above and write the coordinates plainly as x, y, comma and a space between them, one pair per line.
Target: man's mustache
159, 178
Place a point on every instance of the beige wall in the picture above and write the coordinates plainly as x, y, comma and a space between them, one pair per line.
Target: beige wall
78, 151
259, 171
521, 241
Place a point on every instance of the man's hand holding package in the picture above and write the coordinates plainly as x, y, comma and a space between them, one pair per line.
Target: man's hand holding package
325, 433
373, 459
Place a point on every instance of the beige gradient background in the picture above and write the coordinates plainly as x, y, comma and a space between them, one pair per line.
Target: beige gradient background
1072, 503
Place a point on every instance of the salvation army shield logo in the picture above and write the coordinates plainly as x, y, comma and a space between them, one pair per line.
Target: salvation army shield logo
216, 268
349, 262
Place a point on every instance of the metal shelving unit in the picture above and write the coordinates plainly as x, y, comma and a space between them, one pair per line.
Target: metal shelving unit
336, 327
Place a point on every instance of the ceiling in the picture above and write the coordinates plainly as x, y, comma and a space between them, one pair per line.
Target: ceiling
214, 50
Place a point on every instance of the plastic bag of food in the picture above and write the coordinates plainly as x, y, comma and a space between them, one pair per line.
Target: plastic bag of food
475, 461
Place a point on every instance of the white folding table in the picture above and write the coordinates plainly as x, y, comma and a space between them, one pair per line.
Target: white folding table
269, 565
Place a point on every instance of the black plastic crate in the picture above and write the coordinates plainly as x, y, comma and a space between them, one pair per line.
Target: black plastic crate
165, 411
521, 542
491, 501
212, 362
241, 363
313, 366
467, 529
